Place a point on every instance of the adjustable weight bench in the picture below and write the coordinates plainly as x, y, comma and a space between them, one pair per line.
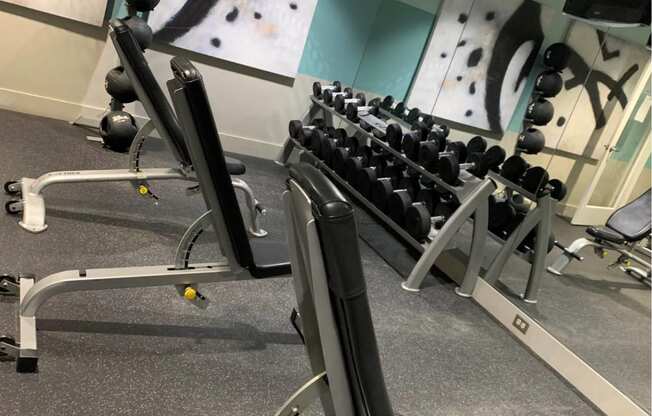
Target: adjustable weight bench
330, 287
241, 259
624, 230
31, 204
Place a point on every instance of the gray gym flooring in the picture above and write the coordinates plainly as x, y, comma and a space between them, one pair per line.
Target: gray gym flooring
146, 352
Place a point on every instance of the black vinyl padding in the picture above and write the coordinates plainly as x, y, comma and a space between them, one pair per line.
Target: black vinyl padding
633, 220
338, 235
151, 95
210, 155
605, 234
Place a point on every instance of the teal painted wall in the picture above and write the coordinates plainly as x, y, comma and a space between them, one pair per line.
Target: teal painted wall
397, 40
338, 38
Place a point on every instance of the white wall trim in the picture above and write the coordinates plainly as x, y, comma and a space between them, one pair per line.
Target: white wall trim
40, 105
250, 147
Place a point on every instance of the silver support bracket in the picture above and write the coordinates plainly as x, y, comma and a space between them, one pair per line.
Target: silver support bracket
304, 397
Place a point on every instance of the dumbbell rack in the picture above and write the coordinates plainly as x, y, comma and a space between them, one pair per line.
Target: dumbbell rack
539, 217
473, 196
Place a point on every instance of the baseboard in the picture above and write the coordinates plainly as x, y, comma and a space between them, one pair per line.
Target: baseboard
40, 105
231, 142
250, 147
566, 210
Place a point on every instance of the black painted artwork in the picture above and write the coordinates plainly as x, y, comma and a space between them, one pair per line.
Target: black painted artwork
472, 88
190, 15
511, 37
561, 121
490, 16
462, 43
474, 58
232, 15
604, 50
462, 18
589, 78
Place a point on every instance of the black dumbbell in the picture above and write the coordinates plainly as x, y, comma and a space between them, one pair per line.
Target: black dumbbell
394, 133
556, 56
334, 139
379, 168
329, 95
478, 164
539, 111
355, 163
537, 181
318, 89
513, 168
399, 200
431, 152
303, 133
384, 188
419, 220
530, 141
340, 102
548, 84
501, 214
354, 110
412, 143
343, 153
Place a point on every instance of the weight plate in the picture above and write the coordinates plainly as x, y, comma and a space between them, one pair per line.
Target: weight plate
558, 189
397, 206
417, 221
476, 145
380, 193
387, 103
413, 115
294, 128
449, 169
513, 168
365, 180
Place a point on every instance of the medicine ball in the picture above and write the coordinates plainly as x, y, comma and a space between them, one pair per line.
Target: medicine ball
118, 129
531, 141
540, 111
548, 83
557, 56
141, 31
143, 5
118, 85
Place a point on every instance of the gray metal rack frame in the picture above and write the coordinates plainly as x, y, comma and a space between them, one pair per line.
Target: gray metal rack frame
473, 195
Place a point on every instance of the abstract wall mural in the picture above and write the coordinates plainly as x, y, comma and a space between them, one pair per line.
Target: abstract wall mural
87, 11
478, 60
602, 73
264, 34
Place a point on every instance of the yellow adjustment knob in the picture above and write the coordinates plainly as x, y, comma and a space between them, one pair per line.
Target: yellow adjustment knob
142, 189
190, 293
627, 262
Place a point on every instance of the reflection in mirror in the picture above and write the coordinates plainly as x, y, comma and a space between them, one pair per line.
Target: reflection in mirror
473, 65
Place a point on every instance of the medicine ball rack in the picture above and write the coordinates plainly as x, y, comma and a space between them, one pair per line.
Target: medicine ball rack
473, 195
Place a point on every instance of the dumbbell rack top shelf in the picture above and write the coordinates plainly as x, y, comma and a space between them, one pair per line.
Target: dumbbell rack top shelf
468, 181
